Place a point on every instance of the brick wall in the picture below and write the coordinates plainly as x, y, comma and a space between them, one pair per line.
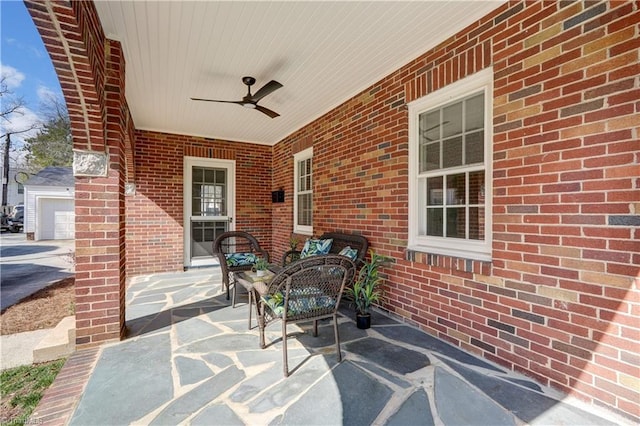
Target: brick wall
559, 301
155, 213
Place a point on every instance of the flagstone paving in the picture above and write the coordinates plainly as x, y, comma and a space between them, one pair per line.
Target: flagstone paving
190, 359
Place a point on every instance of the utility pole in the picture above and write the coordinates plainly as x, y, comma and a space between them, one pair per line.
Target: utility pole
5, 171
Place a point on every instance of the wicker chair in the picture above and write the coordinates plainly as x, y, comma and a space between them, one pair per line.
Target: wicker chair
307, 290
230, 244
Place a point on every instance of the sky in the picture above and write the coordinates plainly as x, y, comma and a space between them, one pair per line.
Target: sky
26, 65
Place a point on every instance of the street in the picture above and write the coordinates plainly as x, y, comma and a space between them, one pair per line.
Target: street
28, 266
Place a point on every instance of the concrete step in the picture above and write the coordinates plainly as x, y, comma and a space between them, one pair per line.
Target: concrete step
58, 343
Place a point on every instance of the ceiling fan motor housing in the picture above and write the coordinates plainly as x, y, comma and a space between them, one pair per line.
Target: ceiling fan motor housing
249, 81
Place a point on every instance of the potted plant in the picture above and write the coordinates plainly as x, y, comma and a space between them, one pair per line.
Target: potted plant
366, 289
261, 266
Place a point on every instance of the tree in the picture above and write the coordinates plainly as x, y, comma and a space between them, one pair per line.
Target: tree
52, 145
11, 109
10, 104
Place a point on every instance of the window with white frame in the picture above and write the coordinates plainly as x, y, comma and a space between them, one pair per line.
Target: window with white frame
449, 171
303, 192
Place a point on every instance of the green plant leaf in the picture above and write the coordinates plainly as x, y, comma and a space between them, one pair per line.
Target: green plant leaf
366, 289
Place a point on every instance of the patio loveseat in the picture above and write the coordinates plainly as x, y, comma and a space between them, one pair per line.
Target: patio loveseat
340, 243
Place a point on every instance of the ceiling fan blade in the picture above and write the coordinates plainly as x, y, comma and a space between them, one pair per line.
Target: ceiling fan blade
265, 90
216, 100
267, 111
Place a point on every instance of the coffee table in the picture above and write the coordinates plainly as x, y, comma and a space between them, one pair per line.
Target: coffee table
256, 286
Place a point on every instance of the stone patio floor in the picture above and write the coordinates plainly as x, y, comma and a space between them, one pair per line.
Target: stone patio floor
191, 359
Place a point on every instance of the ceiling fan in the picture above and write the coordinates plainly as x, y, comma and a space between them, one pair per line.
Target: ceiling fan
251, 101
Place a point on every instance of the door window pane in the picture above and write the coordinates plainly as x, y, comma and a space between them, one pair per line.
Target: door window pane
203, 234
208, 192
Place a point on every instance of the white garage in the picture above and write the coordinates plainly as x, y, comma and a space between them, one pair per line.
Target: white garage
56, 218
49, 205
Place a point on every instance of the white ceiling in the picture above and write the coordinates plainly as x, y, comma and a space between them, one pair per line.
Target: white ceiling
322, 52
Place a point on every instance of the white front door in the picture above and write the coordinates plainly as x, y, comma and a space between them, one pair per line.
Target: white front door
209, 205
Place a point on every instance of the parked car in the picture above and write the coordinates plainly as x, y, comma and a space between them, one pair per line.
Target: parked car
4, 222
15, 221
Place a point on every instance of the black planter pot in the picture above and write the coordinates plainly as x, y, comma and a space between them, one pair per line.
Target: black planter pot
363, 321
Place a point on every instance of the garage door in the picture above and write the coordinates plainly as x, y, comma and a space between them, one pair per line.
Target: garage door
57, 219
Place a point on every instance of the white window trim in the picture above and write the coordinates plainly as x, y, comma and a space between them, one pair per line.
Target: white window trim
301, 156
468, 249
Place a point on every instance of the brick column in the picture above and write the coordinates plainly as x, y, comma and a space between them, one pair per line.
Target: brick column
91, 73
100, 224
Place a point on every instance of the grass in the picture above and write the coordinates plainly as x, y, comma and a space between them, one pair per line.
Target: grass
23, 387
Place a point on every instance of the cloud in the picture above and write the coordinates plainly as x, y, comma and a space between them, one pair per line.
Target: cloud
23, 118
34, 51
46, 94
20, 120
12, 77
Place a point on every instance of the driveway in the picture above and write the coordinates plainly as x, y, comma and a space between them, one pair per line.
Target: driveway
28, 266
